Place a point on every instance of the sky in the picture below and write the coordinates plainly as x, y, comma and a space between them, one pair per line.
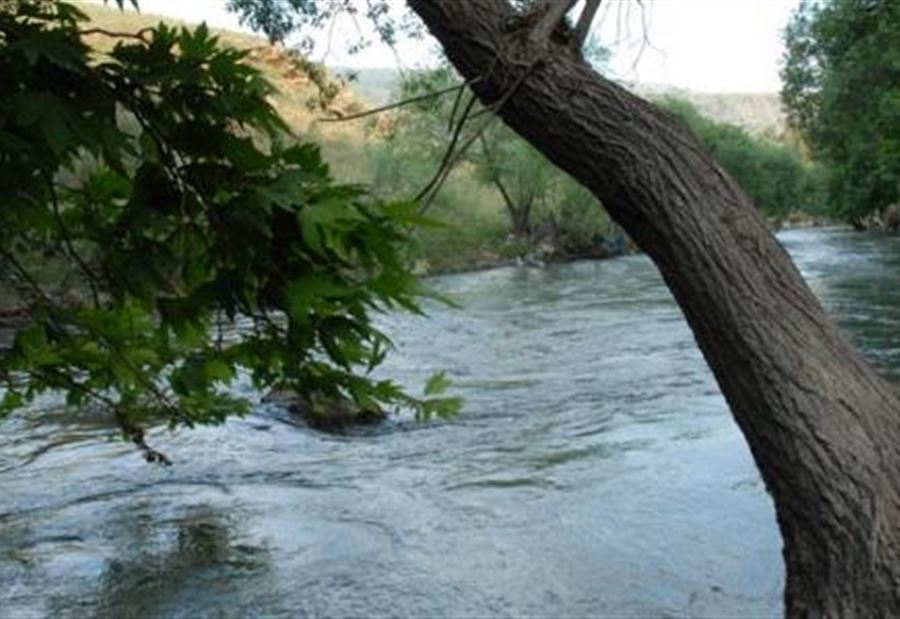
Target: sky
701, 45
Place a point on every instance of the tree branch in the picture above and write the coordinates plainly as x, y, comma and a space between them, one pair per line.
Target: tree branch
456, 101
435, 180
140, 35
391, 106
495, 176
67, 240
426, 196
25, 277
554, 11
579, 36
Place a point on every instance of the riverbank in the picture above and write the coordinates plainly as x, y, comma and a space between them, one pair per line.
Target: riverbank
800, 220
512, 252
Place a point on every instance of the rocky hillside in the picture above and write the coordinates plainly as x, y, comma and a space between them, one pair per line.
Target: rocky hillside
297, 96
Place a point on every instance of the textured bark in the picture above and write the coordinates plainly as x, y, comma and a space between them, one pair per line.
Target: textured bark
823, 426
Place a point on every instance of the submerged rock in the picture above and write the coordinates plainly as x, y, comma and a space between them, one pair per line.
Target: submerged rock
326, 413
887, 218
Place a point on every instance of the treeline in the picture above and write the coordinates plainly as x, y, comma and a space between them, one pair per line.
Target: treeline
773, 172
499, 198
502, 199
839, 160
842, 92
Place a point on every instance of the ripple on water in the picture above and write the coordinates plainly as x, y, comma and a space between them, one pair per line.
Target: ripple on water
595, 471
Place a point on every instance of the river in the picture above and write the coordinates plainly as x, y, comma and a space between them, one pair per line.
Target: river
595, 470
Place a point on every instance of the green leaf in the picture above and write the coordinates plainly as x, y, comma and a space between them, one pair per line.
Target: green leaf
204, 246
10, 402
440, 407
437, 384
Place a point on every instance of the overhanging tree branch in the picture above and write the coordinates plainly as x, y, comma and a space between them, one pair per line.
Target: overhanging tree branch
434, 183
495, 177
89, 274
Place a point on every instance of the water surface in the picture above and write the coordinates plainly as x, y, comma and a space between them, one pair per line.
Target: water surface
595, 471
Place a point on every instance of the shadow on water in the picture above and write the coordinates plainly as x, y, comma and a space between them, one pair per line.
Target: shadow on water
595, 471
172, 559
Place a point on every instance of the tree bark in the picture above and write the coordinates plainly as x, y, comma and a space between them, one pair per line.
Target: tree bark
823, 426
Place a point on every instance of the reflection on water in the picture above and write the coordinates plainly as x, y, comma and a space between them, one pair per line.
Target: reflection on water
595, 470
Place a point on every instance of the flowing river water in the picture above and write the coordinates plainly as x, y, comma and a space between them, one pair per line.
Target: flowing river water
594, 471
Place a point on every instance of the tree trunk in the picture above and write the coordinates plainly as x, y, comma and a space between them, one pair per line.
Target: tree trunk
519, 216
823, 426
521, 221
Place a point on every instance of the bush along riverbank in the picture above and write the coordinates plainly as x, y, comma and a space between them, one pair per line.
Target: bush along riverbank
535, 252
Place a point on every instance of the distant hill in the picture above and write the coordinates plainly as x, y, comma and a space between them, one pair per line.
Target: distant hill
374, 85
295, 89
755, 112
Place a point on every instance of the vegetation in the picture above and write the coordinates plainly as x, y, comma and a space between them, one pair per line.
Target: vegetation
146, 231
164, 233
772, 173
842, 92
160, 185
545, 210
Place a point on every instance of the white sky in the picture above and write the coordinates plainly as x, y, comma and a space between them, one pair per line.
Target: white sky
703, 45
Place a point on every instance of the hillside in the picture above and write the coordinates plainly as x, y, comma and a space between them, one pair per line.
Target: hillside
296, 98
476, 221
375, 85
756, 112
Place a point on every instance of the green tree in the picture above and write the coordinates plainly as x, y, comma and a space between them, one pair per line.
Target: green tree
773, 174
842, 92
164, 233
534, 192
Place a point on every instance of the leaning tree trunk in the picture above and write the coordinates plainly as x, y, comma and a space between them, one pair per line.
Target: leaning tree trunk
823, 426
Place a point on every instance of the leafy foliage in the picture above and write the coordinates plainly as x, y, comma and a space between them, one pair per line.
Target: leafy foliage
279, 19
773, 174
533, 191
842, 91
164, 234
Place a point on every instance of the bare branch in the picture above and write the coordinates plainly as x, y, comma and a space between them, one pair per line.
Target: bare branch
437, 178
584, 23
140, 35
495, 176
553, 13
646, 43
426, 196
456, 101
90, 276
391, 106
